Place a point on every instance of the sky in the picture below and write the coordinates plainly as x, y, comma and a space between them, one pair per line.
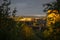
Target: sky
29, 7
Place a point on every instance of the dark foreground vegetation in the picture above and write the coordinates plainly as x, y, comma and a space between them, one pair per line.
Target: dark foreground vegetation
13, 30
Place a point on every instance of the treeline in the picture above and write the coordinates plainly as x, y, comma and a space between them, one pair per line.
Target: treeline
7, 24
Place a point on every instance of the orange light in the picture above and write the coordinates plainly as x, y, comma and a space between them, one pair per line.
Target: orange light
26, 19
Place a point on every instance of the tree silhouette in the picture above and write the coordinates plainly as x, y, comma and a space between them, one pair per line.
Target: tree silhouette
7, 24
52, 6
14, 12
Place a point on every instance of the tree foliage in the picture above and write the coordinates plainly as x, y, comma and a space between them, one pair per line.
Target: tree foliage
52, 6
53, 27
7, 24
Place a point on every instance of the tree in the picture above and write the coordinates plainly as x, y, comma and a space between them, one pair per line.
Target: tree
53, 9
7, 24
52, 6
14, 12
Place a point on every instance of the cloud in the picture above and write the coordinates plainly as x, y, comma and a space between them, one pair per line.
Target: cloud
29, 7
19, 5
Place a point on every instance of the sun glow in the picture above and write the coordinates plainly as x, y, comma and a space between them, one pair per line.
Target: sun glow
26, 19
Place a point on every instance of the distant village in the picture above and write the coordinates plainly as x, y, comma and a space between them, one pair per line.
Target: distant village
33, 21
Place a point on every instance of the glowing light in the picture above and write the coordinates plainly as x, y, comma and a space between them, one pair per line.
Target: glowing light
26, 19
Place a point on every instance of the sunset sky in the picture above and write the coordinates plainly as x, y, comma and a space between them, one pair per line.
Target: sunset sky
29, 7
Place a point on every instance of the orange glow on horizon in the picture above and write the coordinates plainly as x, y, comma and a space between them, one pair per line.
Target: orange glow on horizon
26, 19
